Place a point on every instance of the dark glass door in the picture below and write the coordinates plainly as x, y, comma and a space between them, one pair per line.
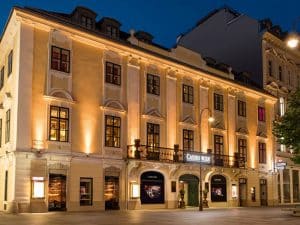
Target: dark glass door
263, 192
242, 192
111, 192
57, 192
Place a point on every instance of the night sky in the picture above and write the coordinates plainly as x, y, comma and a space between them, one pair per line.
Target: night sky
166, 19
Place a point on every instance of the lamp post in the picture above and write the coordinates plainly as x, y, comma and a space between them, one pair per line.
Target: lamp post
210, 119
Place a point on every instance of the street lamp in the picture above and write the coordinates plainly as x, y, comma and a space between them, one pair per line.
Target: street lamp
293, 38
292, 41
210, 120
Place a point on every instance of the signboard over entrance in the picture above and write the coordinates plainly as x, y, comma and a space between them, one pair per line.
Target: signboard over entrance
196, 157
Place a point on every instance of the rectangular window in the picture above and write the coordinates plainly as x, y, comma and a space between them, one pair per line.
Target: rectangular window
10, 63
86, 191
59, 124
153, 84
7, 126
113, 73
112, 31
2, 78
280, 73
218, 102
5, 185
152, 135
86, 22
112, 131
241, 108
262, 152
261, 114
289, 77
242, 148
60, 59
188, 140
187, 94
270, 68
218, 144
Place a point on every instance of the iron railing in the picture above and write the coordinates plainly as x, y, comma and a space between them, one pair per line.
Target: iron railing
170, 155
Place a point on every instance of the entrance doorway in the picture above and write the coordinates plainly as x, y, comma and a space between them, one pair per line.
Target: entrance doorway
190, 184
263, 192
242, 192
111, 192
57, 192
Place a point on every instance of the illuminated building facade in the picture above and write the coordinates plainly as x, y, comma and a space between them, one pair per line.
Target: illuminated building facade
93, 118
258, 47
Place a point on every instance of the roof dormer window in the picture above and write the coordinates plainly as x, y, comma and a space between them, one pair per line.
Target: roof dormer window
112, 31
87, 22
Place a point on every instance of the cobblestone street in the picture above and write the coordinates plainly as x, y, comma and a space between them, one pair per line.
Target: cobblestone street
231, 216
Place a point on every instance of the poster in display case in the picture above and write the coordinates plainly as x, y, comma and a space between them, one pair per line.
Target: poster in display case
152, 188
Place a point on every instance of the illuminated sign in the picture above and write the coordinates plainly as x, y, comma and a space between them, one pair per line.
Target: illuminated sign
135, 190
280, 165
197, 158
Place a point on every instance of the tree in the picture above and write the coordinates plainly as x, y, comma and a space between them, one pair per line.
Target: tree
287, 128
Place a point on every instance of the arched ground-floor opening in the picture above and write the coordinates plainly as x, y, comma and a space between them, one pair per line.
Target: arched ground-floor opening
152, 188
190, 184
218, 188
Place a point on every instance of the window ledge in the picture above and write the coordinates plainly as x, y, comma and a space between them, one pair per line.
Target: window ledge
58, 146
114, 86
60, 74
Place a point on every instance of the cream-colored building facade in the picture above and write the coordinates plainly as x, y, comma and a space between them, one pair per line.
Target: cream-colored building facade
281, 78
94, 118
262, 56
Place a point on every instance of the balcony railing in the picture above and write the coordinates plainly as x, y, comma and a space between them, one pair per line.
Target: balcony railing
171, 155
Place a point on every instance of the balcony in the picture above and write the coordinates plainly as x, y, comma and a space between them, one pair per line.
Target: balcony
170, 155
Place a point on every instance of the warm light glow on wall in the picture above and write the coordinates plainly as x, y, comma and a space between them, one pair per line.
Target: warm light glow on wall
38, 135
38, 187
135, 190
171, 138
87, 140
132, 138
252, 156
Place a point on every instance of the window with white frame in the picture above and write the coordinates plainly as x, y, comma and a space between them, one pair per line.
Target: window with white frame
112, 131
60, 59
59, 124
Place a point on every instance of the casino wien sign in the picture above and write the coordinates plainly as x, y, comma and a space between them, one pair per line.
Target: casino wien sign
196, 157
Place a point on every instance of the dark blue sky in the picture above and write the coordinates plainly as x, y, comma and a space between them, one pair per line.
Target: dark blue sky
166, 19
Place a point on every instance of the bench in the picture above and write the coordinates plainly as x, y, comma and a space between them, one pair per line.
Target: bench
295, 210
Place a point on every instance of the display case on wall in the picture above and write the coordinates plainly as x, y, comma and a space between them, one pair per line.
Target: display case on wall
86, 191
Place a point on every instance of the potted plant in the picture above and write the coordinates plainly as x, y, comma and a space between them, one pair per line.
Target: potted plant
181, 200
205, 202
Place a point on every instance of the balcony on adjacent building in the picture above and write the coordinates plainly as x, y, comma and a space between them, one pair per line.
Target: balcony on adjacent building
176, 155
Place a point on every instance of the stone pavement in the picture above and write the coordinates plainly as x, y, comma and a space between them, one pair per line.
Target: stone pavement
245, 216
